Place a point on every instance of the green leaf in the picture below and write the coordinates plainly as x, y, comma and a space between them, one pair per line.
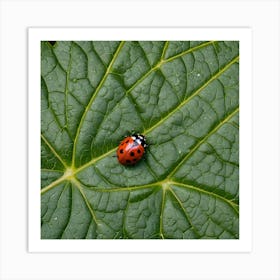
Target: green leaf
184, 96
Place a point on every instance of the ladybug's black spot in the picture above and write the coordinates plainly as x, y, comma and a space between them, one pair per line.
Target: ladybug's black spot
128, 161
138, 151
134, 159
121, 151
126, 141
132, 154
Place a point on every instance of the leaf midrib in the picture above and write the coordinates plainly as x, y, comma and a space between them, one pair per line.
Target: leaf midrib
168, 184
133, 86
145, 132
93, 161
92, 99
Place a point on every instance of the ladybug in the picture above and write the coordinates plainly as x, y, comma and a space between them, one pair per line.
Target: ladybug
131, 149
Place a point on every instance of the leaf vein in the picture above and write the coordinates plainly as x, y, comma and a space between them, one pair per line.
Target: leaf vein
200, 190
53, 150
184, 211
191, 96
199, 143
92, 99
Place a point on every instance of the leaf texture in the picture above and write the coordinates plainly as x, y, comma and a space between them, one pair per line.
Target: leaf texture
184, 96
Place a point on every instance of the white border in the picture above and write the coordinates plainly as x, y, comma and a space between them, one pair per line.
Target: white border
16, 263
53, 34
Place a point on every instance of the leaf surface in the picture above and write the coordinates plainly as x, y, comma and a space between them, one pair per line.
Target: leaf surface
184, 96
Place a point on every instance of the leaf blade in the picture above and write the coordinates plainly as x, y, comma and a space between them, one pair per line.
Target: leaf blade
184, 96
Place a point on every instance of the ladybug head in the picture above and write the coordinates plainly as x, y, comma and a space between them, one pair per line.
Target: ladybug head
140, 139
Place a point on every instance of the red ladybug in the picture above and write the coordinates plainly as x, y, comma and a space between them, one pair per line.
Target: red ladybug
131, 149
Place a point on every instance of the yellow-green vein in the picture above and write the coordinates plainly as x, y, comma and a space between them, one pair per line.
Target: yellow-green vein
165, 117
191, 96
202, 141
161, 213
92, 99
78, 185
53, 150
200, 190
163, 61
184, 211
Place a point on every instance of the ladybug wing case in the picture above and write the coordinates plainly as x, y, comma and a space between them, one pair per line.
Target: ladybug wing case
129, 151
